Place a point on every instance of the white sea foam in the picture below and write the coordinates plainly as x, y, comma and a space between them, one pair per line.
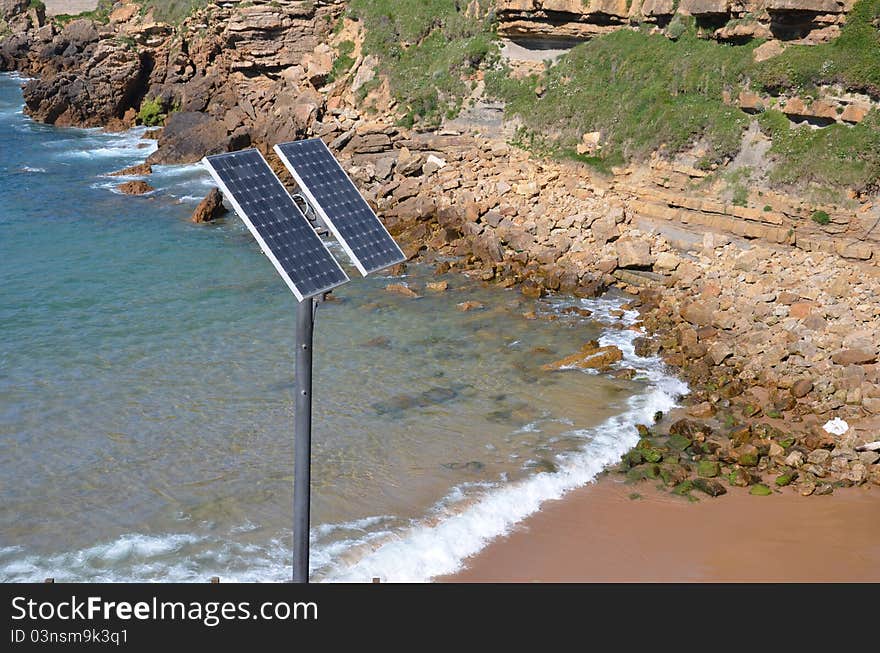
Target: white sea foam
431, 549
30, 169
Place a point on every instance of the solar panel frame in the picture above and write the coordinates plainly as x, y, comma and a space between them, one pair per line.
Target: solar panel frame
294, 214
337, 229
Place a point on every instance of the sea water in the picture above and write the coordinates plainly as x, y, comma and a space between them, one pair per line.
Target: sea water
146, 390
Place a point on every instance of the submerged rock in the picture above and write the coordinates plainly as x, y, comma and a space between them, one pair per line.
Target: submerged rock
591, 356
135, 188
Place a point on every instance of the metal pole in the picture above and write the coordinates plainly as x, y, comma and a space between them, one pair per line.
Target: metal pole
305, 322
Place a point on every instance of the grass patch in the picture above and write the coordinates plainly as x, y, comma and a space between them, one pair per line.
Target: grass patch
852, 60
429, 49
172, 11
100, 14
835, 156
642, 91
343, 63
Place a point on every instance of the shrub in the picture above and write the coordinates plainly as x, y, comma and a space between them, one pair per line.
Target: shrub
151, 113
343, 63
821, 217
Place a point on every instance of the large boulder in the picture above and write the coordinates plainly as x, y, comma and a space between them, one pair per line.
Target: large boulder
188, 136
210, 208
633, 253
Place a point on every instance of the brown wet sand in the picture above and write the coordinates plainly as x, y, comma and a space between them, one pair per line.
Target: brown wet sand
599, 534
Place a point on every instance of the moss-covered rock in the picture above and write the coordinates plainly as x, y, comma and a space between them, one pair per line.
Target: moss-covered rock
652, 455
673, 473
683, 488
747, 455
740, 477
679, 442
786, 478
644, 431
709, 486
760, 490
708, 468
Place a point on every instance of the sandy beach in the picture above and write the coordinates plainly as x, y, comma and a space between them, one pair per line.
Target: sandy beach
600, 534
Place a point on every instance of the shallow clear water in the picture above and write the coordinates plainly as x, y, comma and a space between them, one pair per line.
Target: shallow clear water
146, 378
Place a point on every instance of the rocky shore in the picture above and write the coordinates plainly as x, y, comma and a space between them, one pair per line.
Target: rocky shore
771, 316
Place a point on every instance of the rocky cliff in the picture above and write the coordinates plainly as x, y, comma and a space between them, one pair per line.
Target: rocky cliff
812, 21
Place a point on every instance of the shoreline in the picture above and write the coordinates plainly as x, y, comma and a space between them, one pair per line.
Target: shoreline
597, 533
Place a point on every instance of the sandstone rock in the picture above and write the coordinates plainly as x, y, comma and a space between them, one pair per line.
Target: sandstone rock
469, 306
794, 459
819, 457
591, 356
719, 352
437, 286
801, 388
400, 289
697, 314
666, 262
854, 357
632, 253
135, 188
189, 136
210, 208
134, 171
709, 486
768, 50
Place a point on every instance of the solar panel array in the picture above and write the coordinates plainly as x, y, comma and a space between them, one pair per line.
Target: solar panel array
340, 205
284, 234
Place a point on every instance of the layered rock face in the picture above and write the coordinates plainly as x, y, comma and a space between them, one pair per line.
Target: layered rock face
229, 76
727, 20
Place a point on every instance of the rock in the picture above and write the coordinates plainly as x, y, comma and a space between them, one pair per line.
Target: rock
189, 136
469, 306
134, 171
819, 457
719, 352
437, 286
794, 459
135, 188
666, 262
591, 356
823, 489
708, 468
210, 208
740, 477
697, 314
858, 473
702, 411
854, 357
801, 388
673, 474
806, 488
869, 457
709, 486
786, 478
768, 50
400, 289
747, 455
760, 490
632, 253
690, 429
92, 97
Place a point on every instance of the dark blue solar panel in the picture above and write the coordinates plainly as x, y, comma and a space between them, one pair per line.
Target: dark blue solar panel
338, 202
285, 235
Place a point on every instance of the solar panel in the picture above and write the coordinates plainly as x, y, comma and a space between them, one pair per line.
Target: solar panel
340, 205
284, 234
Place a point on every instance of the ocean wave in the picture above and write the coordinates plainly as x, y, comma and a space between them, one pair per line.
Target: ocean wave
435, 548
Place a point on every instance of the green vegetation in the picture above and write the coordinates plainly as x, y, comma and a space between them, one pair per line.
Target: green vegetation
100, 14
152, 112
852, 60
343, 63
834, 156
172, 11
642, 91
821, 217
36, 4
429, 48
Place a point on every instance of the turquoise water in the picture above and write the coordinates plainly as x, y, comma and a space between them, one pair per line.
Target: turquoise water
146, 378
